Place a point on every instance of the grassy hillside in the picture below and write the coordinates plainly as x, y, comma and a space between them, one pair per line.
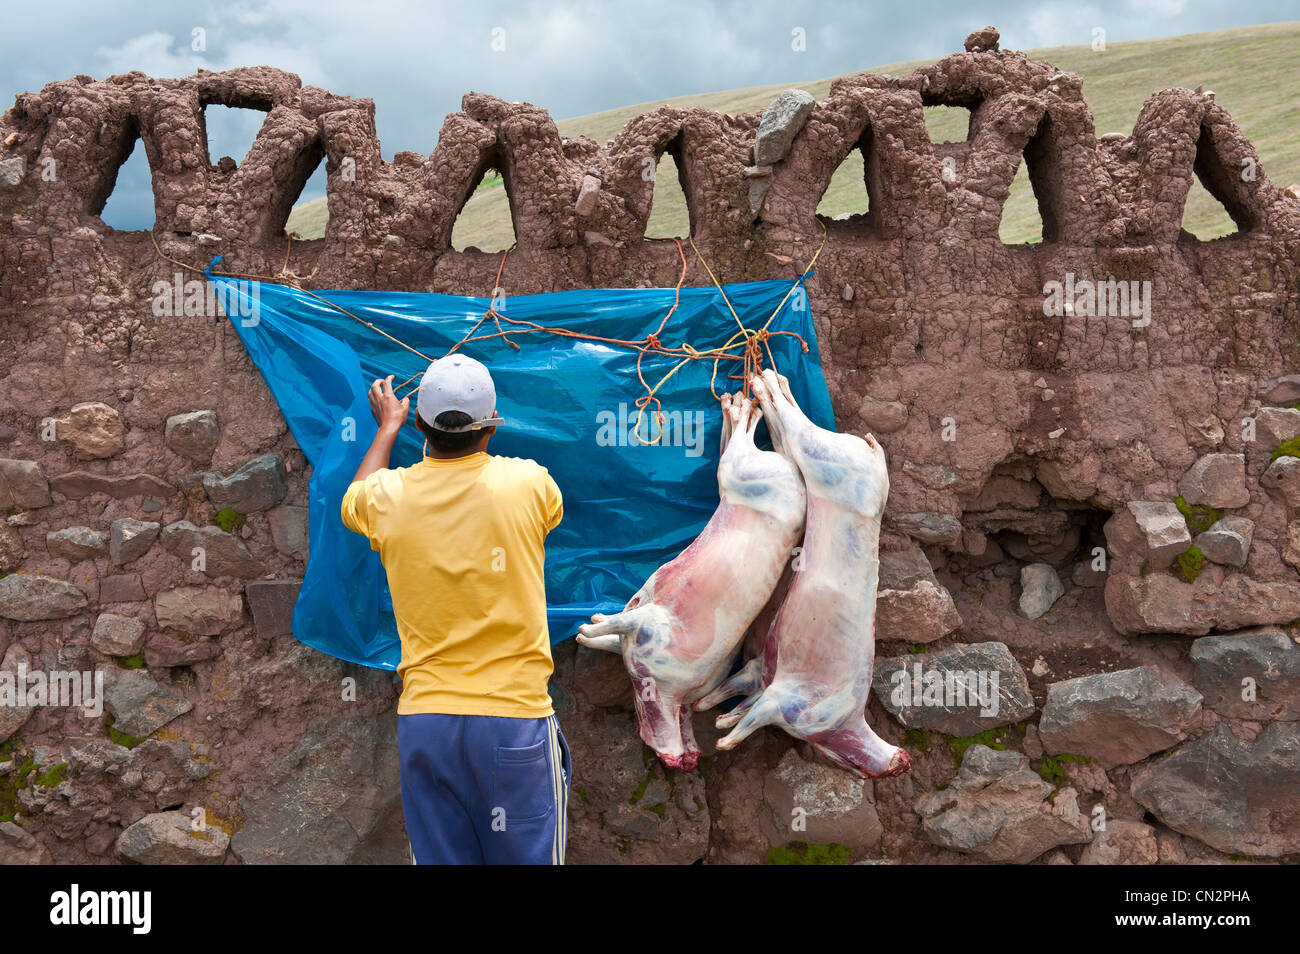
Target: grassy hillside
1249, 68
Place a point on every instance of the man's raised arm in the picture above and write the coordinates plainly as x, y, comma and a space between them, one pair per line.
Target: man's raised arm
391, 415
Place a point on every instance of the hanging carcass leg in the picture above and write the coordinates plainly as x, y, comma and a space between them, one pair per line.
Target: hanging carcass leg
820, 650
679, 634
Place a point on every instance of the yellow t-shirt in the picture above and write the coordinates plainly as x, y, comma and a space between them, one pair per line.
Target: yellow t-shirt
462, 541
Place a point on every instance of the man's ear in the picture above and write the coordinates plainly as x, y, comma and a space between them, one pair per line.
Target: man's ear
489, 431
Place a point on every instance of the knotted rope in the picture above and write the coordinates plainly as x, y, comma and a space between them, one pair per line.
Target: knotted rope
751, 343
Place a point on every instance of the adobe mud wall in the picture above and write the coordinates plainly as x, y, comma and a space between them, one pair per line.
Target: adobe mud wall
1021, 445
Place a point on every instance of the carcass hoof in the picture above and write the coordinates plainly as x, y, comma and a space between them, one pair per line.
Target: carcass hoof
899, 764
684, 763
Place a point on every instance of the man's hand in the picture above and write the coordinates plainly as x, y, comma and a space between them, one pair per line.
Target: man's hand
390, 413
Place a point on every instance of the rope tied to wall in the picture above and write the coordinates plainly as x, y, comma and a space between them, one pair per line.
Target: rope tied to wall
747, 345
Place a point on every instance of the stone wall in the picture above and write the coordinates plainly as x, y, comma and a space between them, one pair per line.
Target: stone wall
1021, 445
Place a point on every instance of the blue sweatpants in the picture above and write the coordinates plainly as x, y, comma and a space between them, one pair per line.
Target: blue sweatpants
484, 789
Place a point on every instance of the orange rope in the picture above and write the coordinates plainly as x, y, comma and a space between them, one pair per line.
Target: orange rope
755, 341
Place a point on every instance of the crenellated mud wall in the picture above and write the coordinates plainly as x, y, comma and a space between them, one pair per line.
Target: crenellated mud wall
1035, 460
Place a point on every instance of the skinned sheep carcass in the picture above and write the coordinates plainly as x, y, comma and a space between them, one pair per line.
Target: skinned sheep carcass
815, 672
680, 633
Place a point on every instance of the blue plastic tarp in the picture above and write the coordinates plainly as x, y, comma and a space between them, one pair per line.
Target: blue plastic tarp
568, 404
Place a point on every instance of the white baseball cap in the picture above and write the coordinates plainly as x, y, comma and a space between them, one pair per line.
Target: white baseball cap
458, 383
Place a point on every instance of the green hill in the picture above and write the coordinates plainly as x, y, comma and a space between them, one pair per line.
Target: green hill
1249, 68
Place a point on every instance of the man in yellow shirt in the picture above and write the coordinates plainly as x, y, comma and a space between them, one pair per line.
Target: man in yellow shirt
485, 769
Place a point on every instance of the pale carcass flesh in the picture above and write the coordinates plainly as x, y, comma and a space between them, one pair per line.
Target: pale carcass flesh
680, 633
815, 673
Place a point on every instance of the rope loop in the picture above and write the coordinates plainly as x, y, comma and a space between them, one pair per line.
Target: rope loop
751, 343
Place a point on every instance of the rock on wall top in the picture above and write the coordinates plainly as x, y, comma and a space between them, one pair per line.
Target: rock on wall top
936, 284
1119, 191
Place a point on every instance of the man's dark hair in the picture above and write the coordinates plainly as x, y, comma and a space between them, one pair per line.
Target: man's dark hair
449, 443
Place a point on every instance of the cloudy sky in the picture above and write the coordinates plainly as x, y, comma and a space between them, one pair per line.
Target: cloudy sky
417, 59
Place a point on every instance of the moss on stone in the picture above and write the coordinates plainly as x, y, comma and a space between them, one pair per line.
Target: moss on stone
990, 737
1199, 517
1053, 767
917, 739
53, 775
129, 662
639, 792
1190, 563
121, 738
228, 519
1288, 448
916, 648
11, 784
804, 853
